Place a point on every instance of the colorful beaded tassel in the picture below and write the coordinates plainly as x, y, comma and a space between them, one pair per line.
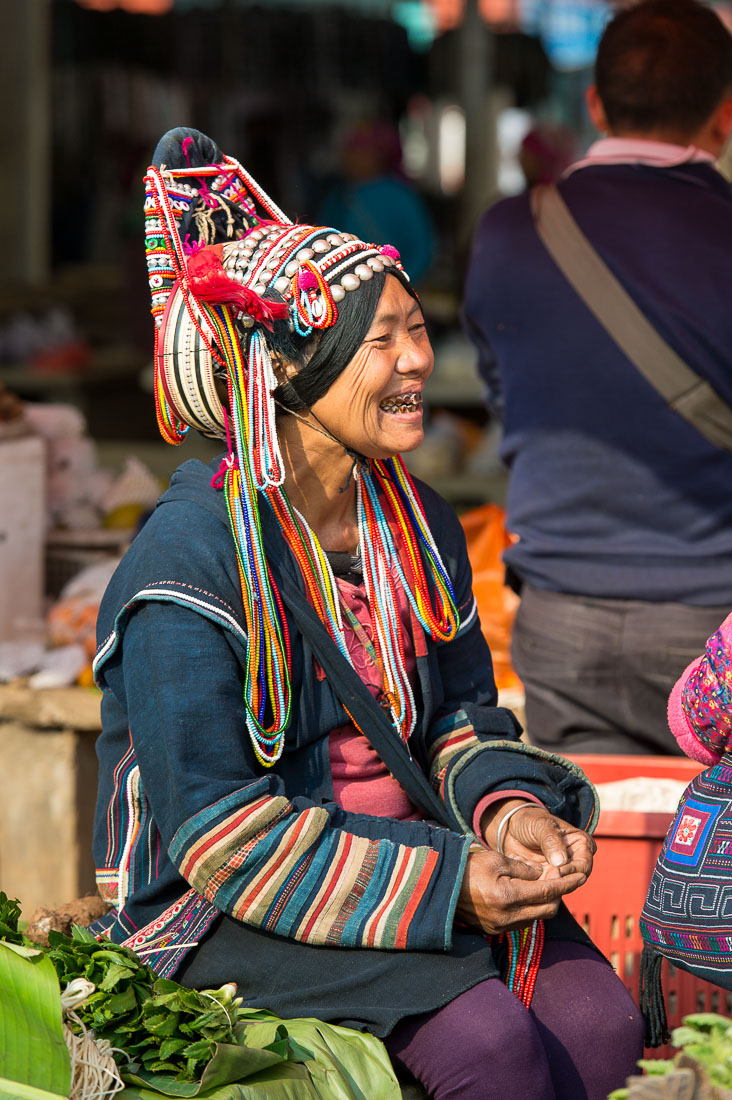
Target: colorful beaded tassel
524, 958
257, 464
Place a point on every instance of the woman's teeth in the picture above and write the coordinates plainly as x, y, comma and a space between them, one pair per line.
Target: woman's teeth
404, 403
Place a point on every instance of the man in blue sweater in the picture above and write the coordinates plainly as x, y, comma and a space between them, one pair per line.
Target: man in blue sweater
622, 509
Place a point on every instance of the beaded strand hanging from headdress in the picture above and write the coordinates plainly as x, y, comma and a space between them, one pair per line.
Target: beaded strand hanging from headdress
208, 301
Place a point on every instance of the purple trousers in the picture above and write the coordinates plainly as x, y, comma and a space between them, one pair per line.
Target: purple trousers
579, 1041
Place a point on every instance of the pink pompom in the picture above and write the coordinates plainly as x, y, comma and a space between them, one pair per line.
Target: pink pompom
306, 280
391, 251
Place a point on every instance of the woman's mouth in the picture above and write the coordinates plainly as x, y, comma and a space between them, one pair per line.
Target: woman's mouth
401, 403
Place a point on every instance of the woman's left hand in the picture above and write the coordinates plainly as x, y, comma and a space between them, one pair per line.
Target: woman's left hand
535, 836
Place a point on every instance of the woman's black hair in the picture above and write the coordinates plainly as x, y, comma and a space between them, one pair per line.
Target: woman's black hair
326, 355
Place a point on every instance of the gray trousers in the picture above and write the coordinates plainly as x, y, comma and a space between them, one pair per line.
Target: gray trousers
598, 673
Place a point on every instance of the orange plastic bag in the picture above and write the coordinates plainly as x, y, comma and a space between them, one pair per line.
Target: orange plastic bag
487, 538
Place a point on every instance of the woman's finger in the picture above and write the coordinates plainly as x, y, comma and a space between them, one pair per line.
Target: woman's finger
582, 849
516, 868
539, 830
543, 891
524, 901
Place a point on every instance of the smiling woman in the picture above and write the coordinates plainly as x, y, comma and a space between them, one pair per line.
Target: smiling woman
306, 785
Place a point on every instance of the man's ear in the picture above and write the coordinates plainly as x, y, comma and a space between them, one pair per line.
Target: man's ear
722, 120
713, 135
596, 110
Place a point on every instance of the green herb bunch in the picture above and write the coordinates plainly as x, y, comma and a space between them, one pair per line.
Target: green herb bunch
162, 1026
167, 1039
704, 1045
9, 917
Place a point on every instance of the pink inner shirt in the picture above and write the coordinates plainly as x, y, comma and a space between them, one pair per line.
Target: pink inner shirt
362, 784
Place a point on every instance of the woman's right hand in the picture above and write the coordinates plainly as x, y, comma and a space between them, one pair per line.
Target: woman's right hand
499, 894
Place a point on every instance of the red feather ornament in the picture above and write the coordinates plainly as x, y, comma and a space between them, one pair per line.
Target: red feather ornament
209, 282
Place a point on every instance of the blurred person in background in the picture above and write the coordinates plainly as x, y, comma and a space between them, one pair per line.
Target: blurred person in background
545, 152
621, 506
373, 200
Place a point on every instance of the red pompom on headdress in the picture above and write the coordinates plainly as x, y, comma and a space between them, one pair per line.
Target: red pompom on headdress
210, 283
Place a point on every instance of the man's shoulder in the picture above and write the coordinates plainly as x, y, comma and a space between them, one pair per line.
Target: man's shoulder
510, 211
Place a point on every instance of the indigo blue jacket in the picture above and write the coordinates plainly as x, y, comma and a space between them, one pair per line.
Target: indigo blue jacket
189, 825
611, 493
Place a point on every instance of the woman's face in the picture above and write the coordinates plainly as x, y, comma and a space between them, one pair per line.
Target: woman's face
375, 405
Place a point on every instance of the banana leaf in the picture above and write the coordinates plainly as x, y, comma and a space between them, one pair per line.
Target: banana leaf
344, 1064
229, 1063
287, 1081
34, 1060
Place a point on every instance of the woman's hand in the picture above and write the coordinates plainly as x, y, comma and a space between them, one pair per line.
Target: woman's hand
535, 836
499, 894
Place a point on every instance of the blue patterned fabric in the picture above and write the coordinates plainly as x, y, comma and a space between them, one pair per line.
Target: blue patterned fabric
687, 916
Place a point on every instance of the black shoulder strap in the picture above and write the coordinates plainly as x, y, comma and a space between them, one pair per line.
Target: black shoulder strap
363, 708
684, 391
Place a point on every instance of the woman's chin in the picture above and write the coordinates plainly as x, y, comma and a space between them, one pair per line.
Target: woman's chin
396, 444
400, 434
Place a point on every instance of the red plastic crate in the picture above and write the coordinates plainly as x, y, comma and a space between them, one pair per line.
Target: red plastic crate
609, 904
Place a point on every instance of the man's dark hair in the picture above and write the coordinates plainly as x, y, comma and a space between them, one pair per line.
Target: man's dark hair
663, 65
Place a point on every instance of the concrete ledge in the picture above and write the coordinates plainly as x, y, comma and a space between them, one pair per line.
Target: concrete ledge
48, 780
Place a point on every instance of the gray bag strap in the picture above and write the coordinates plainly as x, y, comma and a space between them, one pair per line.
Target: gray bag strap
684, 391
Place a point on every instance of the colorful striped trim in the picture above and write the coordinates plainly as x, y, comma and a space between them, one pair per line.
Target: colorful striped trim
131, 833
106, 878
451, 735
252, 856
697, 947
164, 942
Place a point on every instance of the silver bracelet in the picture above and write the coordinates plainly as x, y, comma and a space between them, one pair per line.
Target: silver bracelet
504, 822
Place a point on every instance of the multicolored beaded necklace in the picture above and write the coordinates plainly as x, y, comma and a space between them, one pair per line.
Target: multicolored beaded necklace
391, 524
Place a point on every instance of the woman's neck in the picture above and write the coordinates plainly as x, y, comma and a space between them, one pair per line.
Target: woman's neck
319, 483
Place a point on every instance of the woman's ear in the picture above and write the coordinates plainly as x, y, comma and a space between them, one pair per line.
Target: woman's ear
284, 369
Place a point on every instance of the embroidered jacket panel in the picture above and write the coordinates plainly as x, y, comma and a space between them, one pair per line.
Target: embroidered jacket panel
189, 824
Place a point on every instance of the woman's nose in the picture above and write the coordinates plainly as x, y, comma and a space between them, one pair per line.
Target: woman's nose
416, 357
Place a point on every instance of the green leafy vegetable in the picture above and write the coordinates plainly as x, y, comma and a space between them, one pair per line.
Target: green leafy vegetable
9, 917
343, 1064
180, 1042
704, 1041
138, 1012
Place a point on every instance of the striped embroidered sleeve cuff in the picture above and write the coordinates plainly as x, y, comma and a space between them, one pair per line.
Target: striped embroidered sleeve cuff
466, 765
295, 874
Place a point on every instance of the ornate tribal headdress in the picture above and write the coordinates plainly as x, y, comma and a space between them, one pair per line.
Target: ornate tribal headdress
226, 266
